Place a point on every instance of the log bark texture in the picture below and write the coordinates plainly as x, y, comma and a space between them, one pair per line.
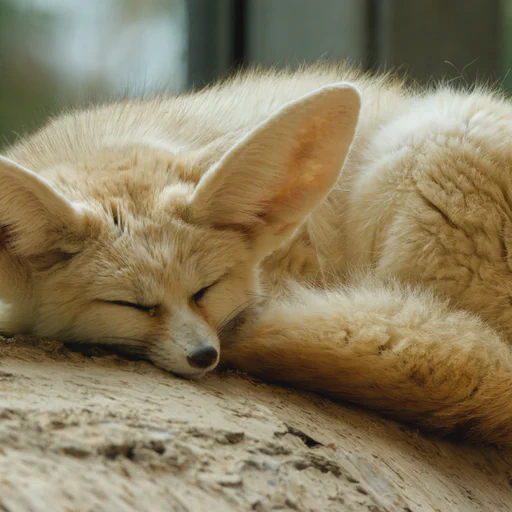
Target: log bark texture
100, 433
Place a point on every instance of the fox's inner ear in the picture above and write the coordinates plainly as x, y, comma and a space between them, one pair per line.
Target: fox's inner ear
275, 176
34, 217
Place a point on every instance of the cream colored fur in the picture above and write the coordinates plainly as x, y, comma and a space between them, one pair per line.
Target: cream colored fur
362, 252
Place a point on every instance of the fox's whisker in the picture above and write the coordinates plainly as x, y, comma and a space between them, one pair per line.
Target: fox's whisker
233, 313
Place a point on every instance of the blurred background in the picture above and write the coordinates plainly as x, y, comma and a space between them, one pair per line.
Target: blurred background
57, 53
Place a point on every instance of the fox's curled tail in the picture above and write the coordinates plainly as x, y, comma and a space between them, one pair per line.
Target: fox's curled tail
401, 352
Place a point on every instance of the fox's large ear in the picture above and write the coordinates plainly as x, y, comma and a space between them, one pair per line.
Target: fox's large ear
34, 216
276, 175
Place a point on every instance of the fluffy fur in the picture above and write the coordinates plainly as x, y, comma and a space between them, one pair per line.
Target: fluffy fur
358, 251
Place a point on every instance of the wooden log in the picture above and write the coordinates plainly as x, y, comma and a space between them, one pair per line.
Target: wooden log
100, 433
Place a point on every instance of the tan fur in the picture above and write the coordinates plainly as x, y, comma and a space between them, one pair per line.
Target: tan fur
388, 284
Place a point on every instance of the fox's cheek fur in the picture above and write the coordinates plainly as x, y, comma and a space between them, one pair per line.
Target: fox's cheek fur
171, 337
177, 335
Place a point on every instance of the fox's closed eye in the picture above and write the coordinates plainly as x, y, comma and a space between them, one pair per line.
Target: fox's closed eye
200, 293
151, 310
196, 297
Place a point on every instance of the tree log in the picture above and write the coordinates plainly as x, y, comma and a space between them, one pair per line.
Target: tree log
101, 433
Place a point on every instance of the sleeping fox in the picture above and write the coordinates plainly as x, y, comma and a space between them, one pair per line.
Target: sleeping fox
324, 229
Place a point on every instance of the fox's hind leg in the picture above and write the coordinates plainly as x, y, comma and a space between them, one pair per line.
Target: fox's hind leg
400, 352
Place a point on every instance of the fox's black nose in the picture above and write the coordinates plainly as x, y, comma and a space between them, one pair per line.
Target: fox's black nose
202, 357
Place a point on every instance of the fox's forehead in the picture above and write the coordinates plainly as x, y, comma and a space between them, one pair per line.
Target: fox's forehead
133, 174
143, 206
169, 247
152, 263
141, 198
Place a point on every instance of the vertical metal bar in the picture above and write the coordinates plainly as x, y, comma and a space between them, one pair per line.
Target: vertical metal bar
284, 32
211, 40
372, 35
456, 39
240, 20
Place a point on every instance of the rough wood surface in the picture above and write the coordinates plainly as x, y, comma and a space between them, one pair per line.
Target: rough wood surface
84, 433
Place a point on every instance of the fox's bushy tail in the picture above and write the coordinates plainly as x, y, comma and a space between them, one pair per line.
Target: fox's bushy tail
399, 351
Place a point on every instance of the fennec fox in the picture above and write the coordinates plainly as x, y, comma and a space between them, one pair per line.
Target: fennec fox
233, 222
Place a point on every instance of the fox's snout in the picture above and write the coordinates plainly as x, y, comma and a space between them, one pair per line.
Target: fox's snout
189, 347
203, 357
